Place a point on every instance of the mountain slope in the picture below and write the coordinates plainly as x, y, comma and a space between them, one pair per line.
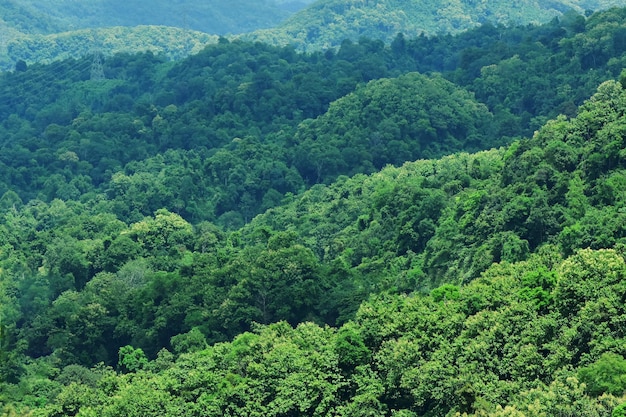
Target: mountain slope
236, 99
99, 263
451, 218
540, 332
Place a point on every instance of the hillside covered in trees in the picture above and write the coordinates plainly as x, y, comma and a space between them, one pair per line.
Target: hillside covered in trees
433, 227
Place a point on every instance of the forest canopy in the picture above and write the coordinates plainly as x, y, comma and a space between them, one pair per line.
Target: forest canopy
433, 227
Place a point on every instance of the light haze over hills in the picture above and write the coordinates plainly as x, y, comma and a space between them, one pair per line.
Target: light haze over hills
214, 17
47, 30
326, 23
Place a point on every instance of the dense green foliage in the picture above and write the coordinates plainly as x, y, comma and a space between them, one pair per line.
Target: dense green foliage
215, 110
487, 351
547, 322
42, 31
452, 218
224, 236
390, 121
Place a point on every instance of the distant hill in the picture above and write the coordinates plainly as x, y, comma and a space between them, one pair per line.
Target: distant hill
45, 30
326, 23
215, 17
42, 31
174, 43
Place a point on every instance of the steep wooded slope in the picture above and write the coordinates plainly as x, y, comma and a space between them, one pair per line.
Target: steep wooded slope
106, 254
453, 217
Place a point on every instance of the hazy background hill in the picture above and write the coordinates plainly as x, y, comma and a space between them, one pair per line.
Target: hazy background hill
171, 42
43, 31
326, 23
215, 17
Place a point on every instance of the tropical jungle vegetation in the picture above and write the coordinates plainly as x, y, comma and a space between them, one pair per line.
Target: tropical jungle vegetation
430, 227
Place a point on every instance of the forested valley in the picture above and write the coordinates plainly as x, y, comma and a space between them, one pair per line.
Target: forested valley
431, 227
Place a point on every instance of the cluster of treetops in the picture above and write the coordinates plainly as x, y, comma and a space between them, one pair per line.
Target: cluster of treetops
137, 277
